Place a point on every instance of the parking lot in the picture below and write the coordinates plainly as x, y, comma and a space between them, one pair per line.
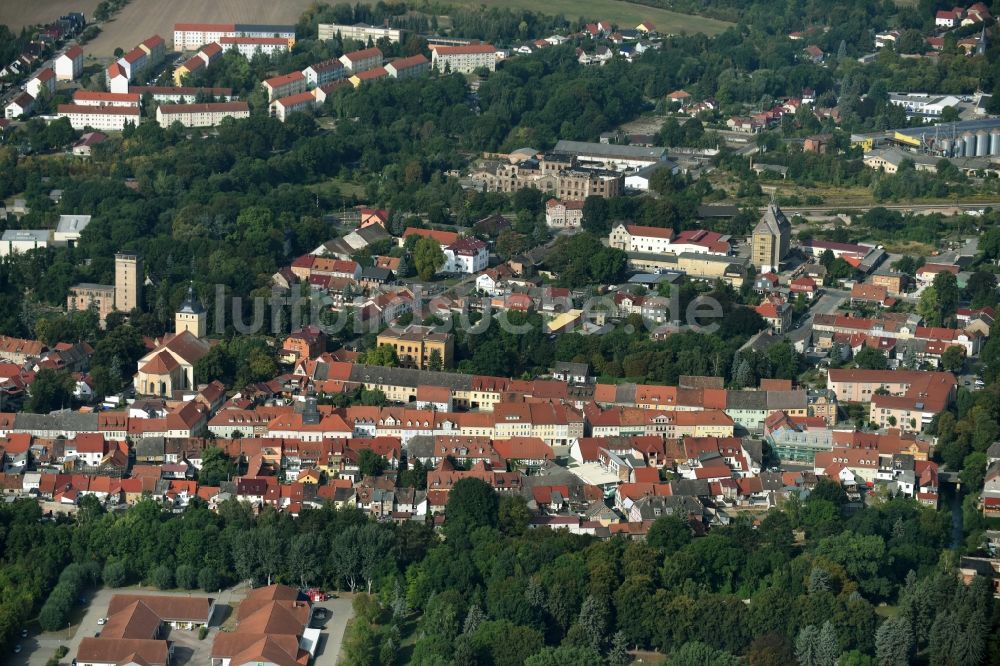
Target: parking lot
37, 648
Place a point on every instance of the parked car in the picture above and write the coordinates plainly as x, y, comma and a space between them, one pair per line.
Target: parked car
103, 620
17, 648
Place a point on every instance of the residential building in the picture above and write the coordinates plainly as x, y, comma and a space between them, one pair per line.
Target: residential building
777, 315
321, 73
464, 59
90, 98
19, 107
200, 115
563, 214
104, 118
770, 240
69, 64
466, 255
663, 240
359, 32
182, 94
116, 78
284, 85
416, 344
85, 145
360, 61
44, 80
284, 107
373, 74
190, 36
405, 68
248, 47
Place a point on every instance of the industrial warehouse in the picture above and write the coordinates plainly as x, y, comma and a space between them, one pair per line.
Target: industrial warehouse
973, 146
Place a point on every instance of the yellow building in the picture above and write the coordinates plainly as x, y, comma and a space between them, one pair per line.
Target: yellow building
415, 345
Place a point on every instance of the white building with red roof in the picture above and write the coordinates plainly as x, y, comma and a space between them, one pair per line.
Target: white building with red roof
466, 255
69, 64
464, 59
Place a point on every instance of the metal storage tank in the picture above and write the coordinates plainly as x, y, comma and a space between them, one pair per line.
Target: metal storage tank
982, 144
969, 139
995, 142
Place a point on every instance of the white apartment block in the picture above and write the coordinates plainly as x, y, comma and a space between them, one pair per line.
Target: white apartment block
69, 65
88, 98
360, 61
360, 32
192, 36
286, 106
323, 72
464, 59
250, 46
200, 115
284, 85
104, 118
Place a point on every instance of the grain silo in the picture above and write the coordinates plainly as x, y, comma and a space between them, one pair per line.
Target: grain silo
982, 144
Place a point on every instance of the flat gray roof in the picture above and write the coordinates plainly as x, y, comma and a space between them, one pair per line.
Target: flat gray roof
609, 150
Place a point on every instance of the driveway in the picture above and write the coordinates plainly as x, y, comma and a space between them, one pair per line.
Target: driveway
339, 610
38, 648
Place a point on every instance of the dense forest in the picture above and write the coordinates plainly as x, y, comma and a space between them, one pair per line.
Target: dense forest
813, 582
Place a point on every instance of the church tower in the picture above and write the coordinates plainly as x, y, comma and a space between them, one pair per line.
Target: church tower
191, 316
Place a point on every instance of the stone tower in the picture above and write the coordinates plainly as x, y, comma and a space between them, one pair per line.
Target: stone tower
128, 282
191, 316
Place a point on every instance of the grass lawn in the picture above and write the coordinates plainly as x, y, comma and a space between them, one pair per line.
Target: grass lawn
336, 187
909, 247
887, 611
624, 14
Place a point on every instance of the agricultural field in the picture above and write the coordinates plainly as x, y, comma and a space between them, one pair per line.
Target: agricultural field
16, 14
142, 18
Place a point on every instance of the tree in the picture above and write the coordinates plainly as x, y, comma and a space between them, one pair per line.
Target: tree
428, 257
595, 215
163, 577
772, 649
564, 655
215, 467
513, 515
209, 579
384, 355
434, 361
371, 463
871, 359
981, 289
669, 534
953, 358
894, 642
618, 655
51, 390
471, 503
115, 573
817, 646
947, 294
699, 654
